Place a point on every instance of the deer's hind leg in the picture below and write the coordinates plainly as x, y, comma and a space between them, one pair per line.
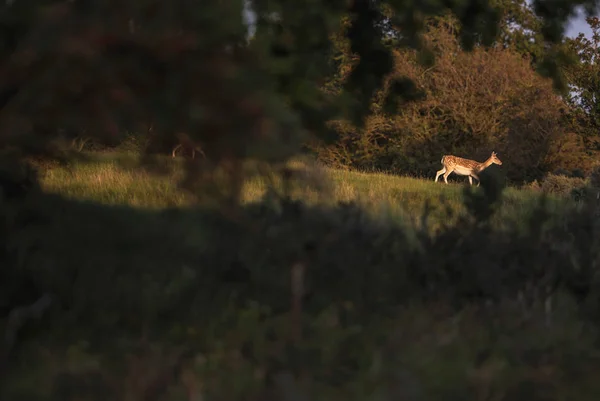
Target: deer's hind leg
440, 172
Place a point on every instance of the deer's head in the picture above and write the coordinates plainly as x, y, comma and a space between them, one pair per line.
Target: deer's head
495, 159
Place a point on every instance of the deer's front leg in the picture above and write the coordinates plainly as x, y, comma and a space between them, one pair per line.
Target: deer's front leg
470, 180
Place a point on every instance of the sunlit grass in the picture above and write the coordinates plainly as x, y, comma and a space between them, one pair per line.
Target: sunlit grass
108, 181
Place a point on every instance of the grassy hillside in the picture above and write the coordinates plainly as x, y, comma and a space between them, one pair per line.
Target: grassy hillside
107, 180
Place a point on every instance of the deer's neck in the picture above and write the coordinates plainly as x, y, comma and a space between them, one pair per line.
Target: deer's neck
485, 164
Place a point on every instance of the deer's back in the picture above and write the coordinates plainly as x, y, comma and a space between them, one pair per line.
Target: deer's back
453, 161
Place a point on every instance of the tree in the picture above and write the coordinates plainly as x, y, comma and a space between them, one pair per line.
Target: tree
473, 103
584, 79
520, 29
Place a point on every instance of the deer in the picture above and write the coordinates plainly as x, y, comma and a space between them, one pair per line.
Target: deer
460, 166
186, 142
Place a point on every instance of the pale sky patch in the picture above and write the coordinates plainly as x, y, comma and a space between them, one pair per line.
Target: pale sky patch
577, 25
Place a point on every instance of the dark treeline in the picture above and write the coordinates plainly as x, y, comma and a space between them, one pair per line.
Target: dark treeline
281, 299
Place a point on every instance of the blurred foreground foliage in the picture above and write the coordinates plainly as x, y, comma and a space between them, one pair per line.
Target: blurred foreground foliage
285, 301
299, 301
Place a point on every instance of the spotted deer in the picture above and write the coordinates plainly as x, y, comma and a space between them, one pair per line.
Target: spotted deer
460, 166
186, 142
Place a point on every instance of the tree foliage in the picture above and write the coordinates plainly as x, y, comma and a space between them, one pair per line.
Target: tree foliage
584, 78
470, 104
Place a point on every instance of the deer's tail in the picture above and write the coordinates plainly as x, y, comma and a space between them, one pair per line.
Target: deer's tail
443, 158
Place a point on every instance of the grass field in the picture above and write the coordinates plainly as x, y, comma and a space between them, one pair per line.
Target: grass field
107, 180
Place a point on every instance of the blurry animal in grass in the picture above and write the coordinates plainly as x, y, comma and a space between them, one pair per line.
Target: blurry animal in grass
186, 143
460, 166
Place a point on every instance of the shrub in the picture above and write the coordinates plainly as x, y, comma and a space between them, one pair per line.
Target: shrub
562, 185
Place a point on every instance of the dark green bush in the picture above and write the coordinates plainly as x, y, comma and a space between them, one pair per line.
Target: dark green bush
215, 282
